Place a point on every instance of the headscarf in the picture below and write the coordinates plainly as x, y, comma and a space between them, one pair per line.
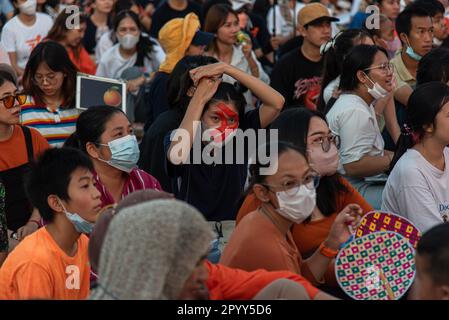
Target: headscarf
97, 236
175, 38
150, 250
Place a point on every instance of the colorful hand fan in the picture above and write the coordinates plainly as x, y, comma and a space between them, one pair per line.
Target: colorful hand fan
378, 266
375, 221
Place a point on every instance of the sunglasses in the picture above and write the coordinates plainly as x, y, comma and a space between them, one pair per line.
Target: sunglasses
8, 101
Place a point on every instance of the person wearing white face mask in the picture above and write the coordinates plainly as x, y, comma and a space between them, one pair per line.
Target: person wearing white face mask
308, 129
105, 134
61, 186
133, 49
367, 76
23, 32
263, 239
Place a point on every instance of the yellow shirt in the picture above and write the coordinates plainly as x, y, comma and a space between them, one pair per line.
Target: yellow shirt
403, 76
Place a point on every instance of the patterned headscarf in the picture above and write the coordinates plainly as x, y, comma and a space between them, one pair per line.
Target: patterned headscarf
150, 250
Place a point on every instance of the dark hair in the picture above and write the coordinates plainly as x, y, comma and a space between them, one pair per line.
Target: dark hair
433, 7
228, 93
145, 44
57, 59
209, 3
6, 76
423, 106
119, 6
404, 19
51, 175
293, 126
180, 82
434, 247
254, 169
433, 66
58, 31
359, 58
374, 31
333, 58
216, 18
90, 125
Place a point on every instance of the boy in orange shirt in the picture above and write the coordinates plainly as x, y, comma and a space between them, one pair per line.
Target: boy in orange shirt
52, 263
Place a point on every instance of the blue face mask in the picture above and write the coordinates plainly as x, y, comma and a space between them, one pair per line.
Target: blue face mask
411, 53
81, 225
125, 153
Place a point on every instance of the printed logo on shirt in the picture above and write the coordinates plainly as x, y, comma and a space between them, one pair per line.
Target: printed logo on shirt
444, 211
73, 279
34, 42
308, 90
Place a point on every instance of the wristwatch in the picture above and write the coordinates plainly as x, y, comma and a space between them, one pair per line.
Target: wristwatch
327, 252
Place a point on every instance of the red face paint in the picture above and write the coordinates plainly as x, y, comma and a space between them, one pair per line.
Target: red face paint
226, 116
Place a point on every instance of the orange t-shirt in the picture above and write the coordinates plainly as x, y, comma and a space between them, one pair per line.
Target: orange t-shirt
256, 243
226, 283
13, 152
39, 269
309, 235
84, 62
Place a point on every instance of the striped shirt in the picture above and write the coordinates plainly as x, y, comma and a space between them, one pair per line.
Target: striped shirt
137, 180
55, 126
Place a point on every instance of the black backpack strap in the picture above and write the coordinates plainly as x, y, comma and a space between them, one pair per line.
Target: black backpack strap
29, 142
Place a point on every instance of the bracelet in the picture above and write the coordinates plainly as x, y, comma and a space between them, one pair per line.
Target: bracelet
327, 252
36, 222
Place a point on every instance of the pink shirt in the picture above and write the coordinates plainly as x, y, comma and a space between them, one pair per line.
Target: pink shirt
137, 180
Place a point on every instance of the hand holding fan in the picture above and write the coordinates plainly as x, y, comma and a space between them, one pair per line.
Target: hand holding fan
377, 266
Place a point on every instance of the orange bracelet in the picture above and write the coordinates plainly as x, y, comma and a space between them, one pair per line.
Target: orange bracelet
327, 252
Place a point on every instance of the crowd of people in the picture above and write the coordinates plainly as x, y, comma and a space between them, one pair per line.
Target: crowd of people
152, 202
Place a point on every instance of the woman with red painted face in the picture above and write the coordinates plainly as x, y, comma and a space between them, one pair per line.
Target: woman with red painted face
215, 111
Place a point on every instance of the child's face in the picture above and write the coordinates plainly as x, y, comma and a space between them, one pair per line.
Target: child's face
84, 198
425, 287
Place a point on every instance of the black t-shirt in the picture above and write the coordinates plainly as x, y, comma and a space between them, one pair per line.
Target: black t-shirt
165, 13
292, 44
157, 98
214, 189
152, 156
298, 79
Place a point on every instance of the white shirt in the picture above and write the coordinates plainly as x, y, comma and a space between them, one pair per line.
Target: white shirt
239, 61
103, 45
417, 190
329, 90
112, 64
21, 39
355, 122
283, 28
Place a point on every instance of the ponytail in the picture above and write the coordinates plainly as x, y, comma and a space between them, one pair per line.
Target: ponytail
406, 140
74, 142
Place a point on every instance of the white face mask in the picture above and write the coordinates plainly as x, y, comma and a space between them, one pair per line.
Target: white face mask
377, 92
128, 41
298, 207
29, 7
325, 163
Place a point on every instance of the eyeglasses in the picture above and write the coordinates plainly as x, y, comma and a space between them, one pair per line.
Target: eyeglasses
326, 141
385, 67
291, 187
51, 78
8, 101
